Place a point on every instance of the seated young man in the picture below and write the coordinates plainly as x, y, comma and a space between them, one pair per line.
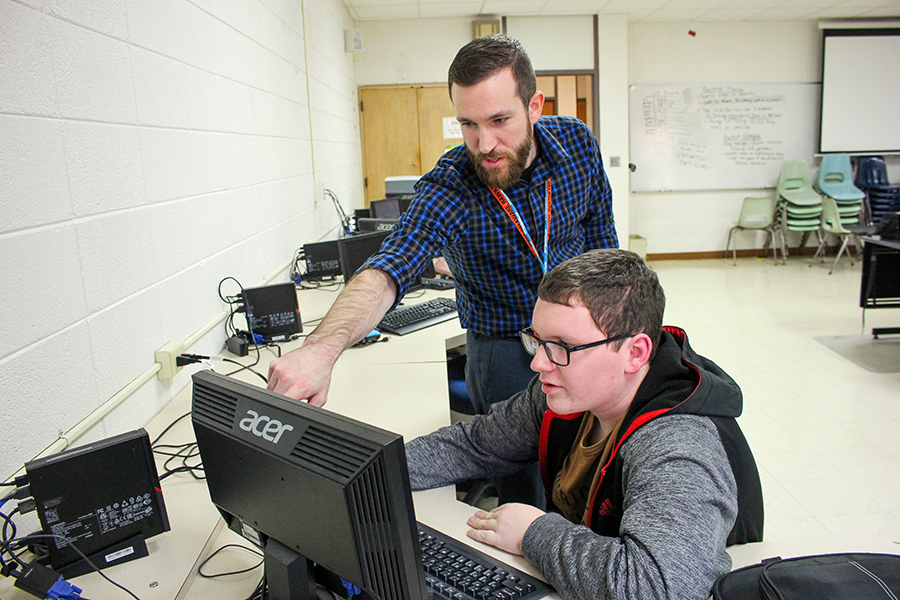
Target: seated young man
648, 475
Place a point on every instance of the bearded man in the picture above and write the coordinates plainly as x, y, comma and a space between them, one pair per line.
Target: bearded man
523, 194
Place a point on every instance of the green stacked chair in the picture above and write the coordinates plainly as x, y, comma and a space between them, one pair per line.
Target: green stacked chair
799, 206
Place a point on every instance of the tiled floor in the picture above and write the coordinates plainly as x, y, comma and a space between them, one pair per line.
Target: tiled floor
825, 432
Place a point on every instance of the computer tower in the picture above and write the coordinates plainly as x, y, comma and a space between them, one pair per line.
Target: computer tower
273, 311
323, 262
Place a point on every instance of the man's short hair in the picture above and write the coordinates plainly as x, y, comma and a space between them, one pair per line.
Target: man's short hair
621, 292
483, 57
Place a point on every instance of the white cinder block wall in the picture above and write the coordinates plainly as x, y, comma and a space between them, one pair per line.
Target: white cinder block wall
148, 149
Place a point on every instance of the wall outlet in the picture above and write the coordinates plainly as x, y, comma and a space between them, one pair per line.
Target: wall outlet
318, 192
166, 356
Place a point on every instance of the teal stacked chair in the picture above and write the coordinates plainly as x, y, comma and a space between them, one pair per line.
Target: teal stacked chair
836, 181
757, 214
799, 206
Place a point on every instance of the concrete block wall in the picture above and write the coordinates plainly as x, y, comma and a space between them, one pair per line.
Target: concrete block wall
148, 149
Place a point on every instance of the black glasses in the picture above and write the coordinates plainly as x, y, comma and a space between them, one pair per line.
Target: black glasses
557, 352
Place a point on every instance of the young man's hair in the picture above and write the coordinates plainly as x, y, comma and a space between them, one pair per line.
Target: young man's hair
621, 292
483, 57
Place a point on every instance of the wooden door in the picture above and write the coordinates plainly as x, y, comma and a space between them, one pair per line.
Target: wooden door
390, 131
434, 107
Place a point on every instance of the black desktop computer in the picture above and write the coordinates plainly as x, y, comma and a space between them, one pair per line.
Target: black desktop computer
325, 496
328, 499
273, 311
103, 498
354, 250
323, 262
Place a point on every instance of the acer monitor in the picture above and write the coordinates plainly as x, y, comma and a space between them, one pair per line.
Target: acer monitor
325, 496
355, 250
390, 207
387, 208
366, 225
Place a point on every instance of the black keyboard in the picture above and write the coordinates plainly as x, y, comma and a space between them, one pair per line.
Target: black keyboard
456, 571
437, 283
406, 319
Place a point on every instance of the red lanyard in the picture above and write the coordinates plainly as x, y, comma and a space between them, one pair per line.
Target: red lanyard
514, 216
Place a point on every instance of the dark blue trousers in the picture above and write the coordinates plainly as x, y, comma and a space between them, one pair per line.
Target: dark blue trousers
496, 370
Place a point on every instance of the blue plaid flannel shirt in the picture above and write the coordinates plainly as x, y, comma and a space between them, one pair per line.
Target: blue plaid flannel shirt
455, 215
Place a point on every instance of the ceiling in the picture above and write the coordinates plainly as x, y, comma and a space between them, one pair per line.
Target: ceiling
637, 10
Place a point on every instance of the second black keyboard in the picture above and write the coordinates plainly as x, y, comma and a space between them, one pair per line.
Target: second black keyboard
457, 571
406, 319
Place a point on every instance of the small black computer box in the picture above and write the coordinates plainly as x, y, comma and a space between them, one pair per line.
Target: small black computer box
322, 260
104, 498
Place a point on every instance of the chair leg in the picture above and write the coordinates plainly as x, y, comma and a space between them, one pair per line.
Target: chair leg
728, 244
770, 241
840, 252
821, 248
783, 243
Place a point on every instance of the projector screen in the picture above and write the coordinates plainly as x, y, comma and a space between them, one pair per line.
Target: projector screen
860, 91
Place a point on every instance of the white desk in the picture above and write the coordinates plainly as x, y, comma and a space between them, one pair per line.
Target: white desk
400, 385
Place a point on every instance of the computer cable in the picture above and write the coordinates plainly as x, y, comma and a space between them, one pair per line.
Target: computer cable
175, 452
183, 453
260, 592
295, 273
186, 359
226, 574
346, 223
334, 285
236, 303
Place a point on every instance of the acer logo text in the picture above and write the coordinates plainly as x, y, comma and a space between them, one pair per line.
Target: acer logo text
265, 427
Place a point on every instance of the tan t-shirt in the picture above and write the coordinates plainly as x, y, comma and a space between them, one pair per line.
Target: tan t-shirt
580, 472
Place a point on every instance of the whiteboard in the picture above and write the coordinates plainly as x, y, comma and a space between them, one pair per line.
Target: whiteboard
719, 136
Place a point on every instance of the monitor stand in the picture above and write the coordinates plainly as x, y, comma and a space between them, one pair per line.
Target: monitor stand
289, 575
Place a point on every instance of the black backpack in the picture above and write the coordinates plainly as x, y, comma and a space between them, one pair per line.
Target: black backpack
821, 577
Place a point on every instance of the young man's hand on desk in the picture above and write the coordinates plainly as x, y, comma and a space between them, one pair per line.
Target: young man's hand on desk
503, 527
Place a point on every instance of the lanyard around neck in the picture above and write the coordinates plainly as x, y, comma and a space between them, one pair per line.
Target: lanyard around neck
514, 216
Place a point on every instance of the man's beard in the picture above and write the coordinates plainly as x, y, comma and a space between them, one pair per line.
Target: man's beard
502, 177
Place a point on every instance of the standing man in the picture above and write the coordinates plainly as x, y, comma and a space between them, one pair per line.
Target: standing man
524, 194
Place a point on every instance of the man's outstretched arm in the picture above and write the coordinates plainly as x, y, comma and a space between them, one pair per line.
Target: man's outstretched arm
305, 373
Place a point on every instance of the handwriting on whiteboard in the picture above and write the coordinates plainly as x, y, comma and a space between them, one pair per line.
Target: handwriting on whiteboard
747, 122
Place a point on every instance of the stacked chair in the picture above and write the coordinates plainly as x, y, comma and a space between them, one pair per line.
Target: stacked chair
832, 223
872, 179
756, 215
836, 181
798, 206
842, 204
